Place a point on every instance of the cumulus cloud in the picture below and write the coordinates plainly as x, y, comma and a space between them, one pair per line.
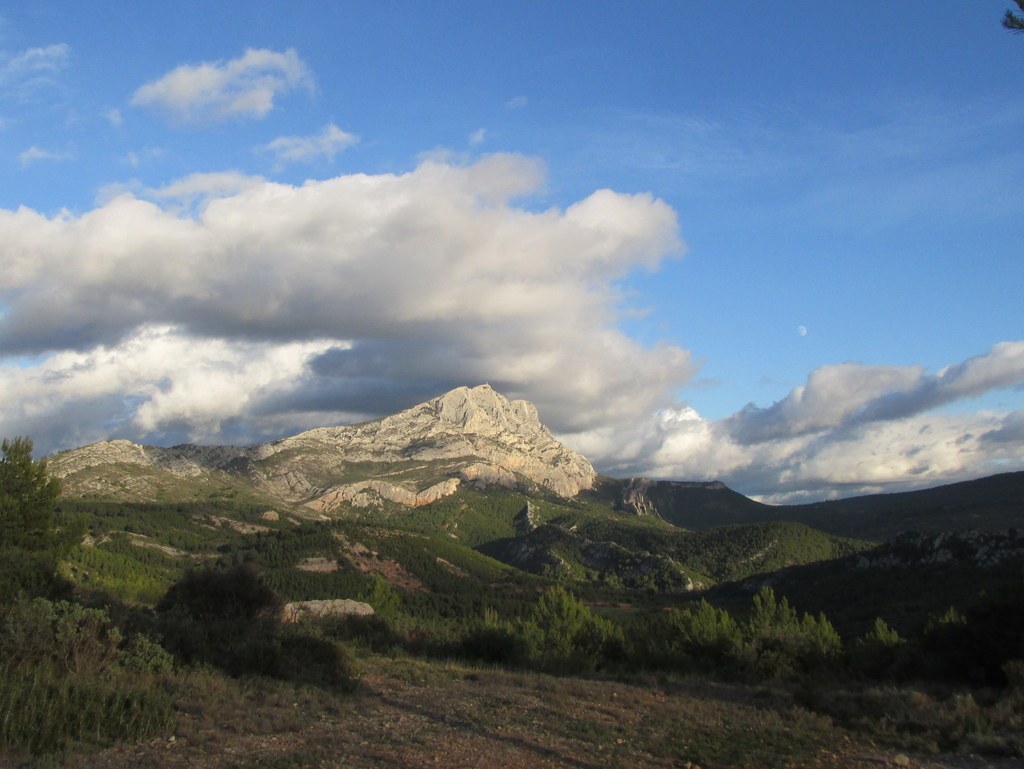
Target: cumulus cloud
433, 278
214, 92
191, 193
156, 383
851, 429
852, 394
303, 149
229, 308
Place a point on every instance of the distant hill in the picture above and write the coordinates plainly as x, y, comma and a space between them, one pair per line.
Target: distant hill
907, 581
995, 503
477, 437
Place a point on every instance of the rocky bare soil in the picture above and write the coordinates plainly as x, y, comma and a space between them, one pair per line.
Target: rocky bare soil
412, 714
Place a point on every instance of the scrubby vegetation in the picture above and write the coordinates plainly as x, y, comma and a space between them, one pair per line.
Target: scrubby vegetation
73, 672
118, 620
69, 674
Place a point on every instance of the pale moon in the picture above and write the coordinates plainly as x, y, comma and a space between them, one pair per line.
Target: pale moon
801, 330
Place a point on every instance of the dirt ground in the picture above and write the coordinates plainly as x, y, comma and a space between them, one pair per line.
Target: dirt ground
413, 714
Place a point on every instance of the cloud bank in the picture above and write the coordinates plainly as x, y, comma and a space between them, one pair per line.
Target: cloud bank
851, 429
161, 313
227, 308
214, 92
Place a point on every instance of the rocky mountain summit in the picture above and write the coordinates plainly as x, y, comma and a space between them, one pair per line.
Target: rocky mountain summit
412, 458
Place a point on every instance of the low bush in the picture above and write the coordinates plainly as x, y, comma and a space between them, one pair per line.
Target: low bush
706, 637
231, 619
559, 635
929, 719
370, 631
877, 654
68, 676
238, 594
782, 644
495, 641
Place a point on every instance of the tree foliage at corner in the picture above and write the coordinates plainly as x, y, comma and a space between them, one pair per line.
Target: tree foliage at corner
28, 497
238, 595
783, 643
30, 543
1015, 21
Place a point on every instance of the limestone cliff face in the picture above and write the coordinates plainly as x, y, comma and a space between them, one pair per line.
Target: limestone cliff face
469, 435
370, 493
493, 439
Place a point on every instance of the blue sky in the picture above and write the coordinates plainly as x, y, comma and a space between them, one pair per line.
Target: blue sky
708, 240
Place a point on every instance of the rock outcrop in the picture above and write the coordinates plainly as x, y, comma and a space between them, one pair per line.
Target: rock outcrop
369, 493
980, 549
99, 454
635, 498
329, 607
412, 458
525, 520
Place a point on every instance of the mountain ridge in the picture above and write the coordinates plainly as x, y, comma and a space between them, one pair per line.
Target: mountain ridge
474, 436
467, 435
991, 503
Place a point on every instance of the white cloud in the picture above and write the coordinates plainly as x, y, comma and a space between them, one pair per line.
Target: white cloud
304, 149
204, 187
1010, 431
478, 136
114, 117
224, 307
852, 394
424, 281
156, 380
217, 91
33, 68
852, 429
517, 102
34, 154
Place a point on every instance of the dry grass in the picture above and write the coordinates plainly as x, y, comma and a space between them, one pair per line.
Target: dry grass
414, 713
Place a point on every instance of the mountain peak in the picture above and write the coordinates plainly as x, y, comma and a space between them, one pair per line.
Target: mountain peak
482, 409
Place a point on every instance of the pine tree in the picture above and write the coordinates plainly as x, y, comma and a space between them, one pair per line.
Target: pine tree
563, 635
30, 544
1015, 21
